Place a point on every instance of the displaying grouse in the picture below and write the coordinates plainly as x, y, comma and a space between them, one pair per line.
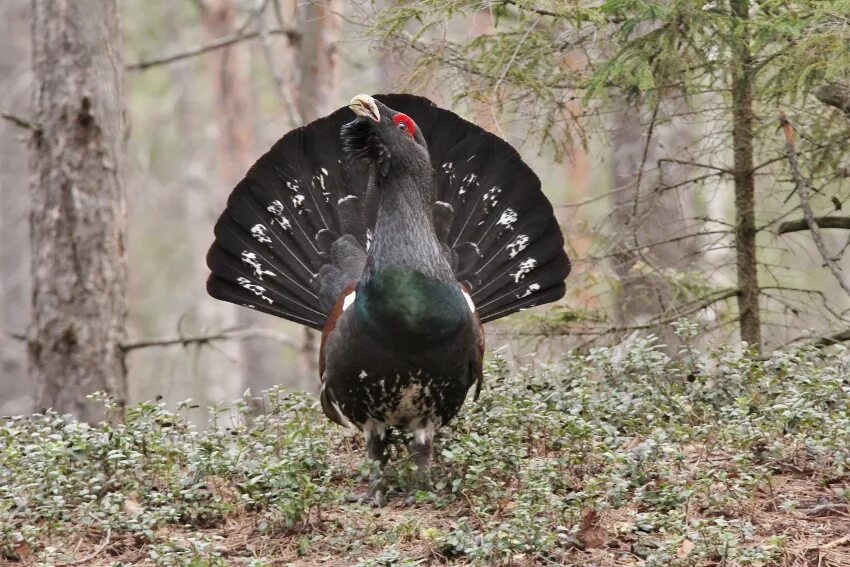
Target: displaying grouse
396, 228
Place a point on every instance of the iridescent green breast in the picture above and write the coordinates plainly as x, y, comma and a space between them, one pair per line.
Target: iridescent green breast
408, 310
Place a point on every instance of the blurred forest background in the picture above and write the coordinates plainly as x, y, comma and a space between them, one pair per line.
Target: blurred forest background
696, 153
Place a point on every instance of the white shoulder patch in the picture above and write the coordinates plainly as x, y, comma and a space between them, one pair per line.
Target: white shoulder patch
468, 299
349, 299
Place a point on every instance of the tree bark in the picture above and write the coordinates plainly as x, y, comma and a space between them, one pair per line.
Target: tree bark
16, 395
228, 70
317, 96
317, 59
744, 179
78, 206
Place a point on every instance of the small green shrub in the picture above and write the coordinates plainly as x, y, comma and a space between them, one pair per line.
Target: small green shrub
673, 455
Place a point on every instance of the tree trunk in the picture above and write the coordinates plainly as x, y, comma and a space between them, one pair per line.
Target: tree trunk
744, 178
645, 216
78, 206
317, 59
317, 96
15, 87
228, 70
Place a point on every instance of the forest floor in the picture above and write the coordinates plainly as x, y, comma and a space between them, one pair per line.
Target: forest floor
713, 459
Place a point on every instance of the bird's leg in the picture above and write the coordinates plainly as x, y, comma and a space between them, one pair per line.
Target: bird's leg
377, 451
421, 449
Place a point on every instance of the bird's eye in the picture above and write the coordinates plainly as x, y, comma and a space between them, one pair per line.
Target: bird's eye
404, 124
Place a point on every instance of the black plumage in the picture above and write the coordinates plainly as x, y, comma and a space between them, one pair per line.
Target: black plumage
397, 231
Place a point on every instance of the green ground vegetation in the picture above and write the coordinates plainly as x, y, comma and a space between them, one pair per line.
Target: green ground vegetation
605, 458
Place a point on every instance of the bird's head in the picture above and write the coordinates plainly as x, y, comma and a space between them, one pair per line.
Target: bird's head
387, 138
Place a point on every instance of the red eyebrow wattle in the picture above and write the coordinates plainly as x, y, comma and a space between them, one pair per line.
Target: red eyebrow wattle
403, 118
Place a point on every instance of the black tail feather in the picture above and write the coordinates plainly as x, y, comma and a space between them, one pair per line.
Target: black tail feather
507, 245
296, 230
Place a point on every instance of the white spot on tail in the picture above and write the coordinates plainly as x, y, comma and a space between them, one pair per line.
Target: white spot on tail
257, 290
524, 268
363, 374
528, 291
276, 208
346, 198
368, 239
260, 232
468, 183
519, 244
508, 218
250, 258
320, 177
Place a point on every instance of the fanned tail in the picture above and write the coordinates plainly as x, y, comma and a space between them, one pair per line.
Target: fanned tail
296, 230
498, 226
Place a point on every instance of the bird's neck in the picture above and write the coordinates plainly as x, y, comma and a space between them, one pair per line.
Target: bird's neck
404, 235
408, 297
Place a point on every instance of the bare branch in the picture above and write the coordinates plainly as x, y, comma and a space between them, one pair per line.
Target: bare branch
19, 122
803, 190
830, 340
225, 335
822, 222
292, 34
674, 314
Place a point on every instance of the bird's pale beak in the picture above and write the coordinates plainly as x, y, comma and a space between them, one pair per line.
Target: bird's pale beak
364, 105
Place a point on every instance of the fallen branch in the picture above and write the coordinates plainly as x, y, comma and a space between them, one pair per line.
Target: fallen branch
226, 335
822, 222
92, 555
220, 43
836, 542
802, 188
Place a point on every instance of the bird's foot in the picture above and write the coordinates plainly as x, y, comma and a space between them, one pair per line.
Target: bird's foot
376, 495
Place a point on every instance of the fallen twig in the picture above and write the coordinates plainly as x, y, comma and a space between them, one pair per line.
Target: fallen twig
834, 543
92, 555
